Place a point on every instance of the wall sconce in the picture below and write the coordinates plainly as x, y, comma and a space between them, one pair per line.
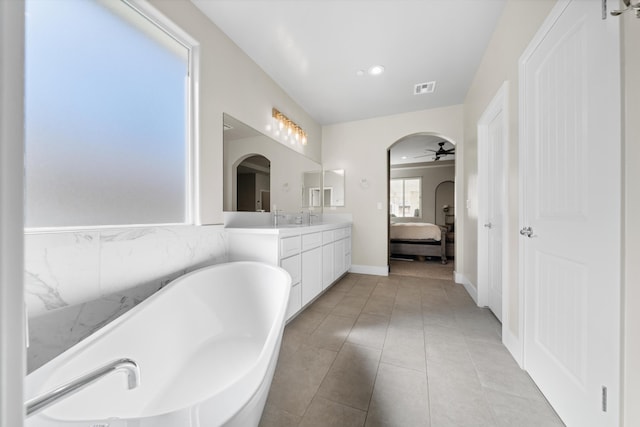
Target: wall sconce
287, 125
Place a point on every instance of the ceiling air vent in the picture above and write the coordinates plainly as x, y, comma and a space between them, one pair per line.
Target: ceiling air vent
422, 88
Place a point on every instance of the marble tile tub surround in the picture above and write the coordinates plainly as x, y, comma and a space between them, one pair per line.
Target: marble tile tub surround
78, 281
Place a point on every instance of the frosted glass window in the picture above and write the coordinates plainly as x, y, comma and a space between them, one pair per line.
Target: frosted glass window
106, 117
405, 197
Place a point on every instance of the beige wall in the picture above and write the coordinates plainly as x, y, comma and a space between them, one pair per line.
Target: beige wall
360, 148
631, 233
516, 27
230, 82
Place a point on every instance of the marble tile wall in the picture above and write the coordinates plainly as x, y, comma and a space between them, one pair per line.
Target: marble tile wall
78, 281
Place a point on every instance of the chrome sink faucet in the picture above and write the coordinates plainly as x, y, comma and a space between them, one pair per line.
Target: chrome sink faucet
277, 214
45, 400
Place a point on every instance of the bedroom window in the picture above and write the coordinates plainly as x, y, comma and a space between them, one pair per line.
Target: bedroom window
405, 197
107, 116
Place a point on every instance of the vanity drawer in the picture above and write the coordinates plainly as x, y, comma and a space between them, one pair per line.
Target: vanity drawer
327, 237
310, 241
339, 233
292, 265
289, 246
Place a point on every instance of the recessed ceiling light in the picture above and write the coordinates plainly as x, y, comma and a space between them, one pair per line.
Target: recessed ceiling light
404, 157
376, 70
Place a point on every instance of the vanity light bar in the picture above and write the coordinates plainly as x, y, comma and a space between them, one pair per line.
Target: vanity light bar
292, 129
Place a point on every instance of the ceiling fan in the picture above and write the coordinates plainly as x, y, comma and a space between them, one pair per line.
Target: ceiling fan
440, 152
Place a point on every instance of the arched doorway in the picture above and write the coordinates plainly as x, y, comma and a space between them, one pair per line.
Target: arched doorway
421, 202
253, 183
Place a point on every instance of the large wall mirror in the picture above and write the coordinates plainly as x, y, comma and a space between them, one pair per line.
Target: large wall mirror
333, 188
249, 152
312, 189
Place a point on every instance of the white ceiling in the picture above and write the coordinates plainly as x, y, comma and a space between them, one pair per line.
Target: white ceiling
314, 48
418, 148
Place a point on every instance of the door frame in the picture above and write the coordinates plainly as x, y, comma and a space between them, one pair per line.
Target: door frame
12, 312
499, 104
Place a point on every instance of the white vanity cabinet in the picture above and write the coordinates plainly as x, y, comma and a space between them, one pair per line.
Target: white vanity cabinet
336, 254
315, 256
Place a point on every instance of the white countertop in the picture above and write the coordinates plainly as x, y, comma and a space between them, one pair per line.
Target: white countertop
288, 229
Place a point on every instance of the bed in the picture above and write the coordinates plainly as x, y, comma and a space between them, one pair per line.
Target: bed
418, 238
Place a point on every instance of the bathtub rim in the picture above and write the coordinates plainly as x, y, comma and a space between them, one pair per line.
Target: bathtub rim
35, 379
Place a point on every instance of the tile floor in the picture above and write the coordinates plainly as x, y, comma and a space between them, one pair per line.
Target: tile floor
400, 351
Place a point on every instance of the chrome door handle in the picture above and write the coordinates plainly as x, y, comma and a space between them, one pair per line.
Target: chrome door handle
488, 225
527, 231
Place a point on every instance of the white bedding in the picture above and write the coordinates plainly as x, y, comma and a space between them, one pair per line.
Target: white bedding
415, 231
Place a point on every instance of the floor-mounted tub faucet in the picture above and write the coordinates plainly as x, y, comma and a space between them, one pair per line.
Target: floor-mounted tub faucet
47, 399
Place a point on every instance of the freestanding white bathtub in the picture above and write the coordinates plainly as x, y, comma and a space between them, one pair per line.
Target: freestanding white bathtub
206, 345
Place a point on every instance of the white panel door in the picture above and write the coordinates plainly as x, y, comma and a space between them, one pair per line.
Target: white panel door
492, 190
570, 148
496, 194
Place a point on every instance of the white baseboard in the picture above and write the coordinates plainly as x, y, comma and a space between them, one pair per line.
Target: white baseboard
471, 289
513, 344
370, 269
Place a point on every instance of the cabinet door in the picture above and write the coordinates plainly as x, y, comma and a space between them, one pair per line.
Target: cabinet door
311, 274
292, 265
327, 265
338, 256
294, 301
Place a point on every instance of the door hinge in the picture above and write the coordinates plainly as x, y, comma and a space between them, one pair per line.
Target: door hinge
604, 399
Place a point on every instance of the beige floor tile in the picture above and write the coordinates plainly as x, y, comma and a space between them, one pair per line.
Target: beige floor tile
512, 410
346, 283
351, 305
448, 348
332, 332
403, 318
498, 371
307, 321
369, 330
379, 305
400, 398
328, 301
276, 417
456, 395
385, 289
405, 347
351, 378
296, 381
326, 413
360, 351
362, 290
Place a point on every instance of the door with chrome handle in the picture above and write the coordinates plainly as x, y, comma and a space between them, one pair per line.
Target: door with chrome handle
527, 231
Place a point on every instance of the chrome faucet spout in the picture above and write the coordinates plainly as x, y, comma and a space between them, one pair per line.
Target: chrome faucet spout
45, 400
